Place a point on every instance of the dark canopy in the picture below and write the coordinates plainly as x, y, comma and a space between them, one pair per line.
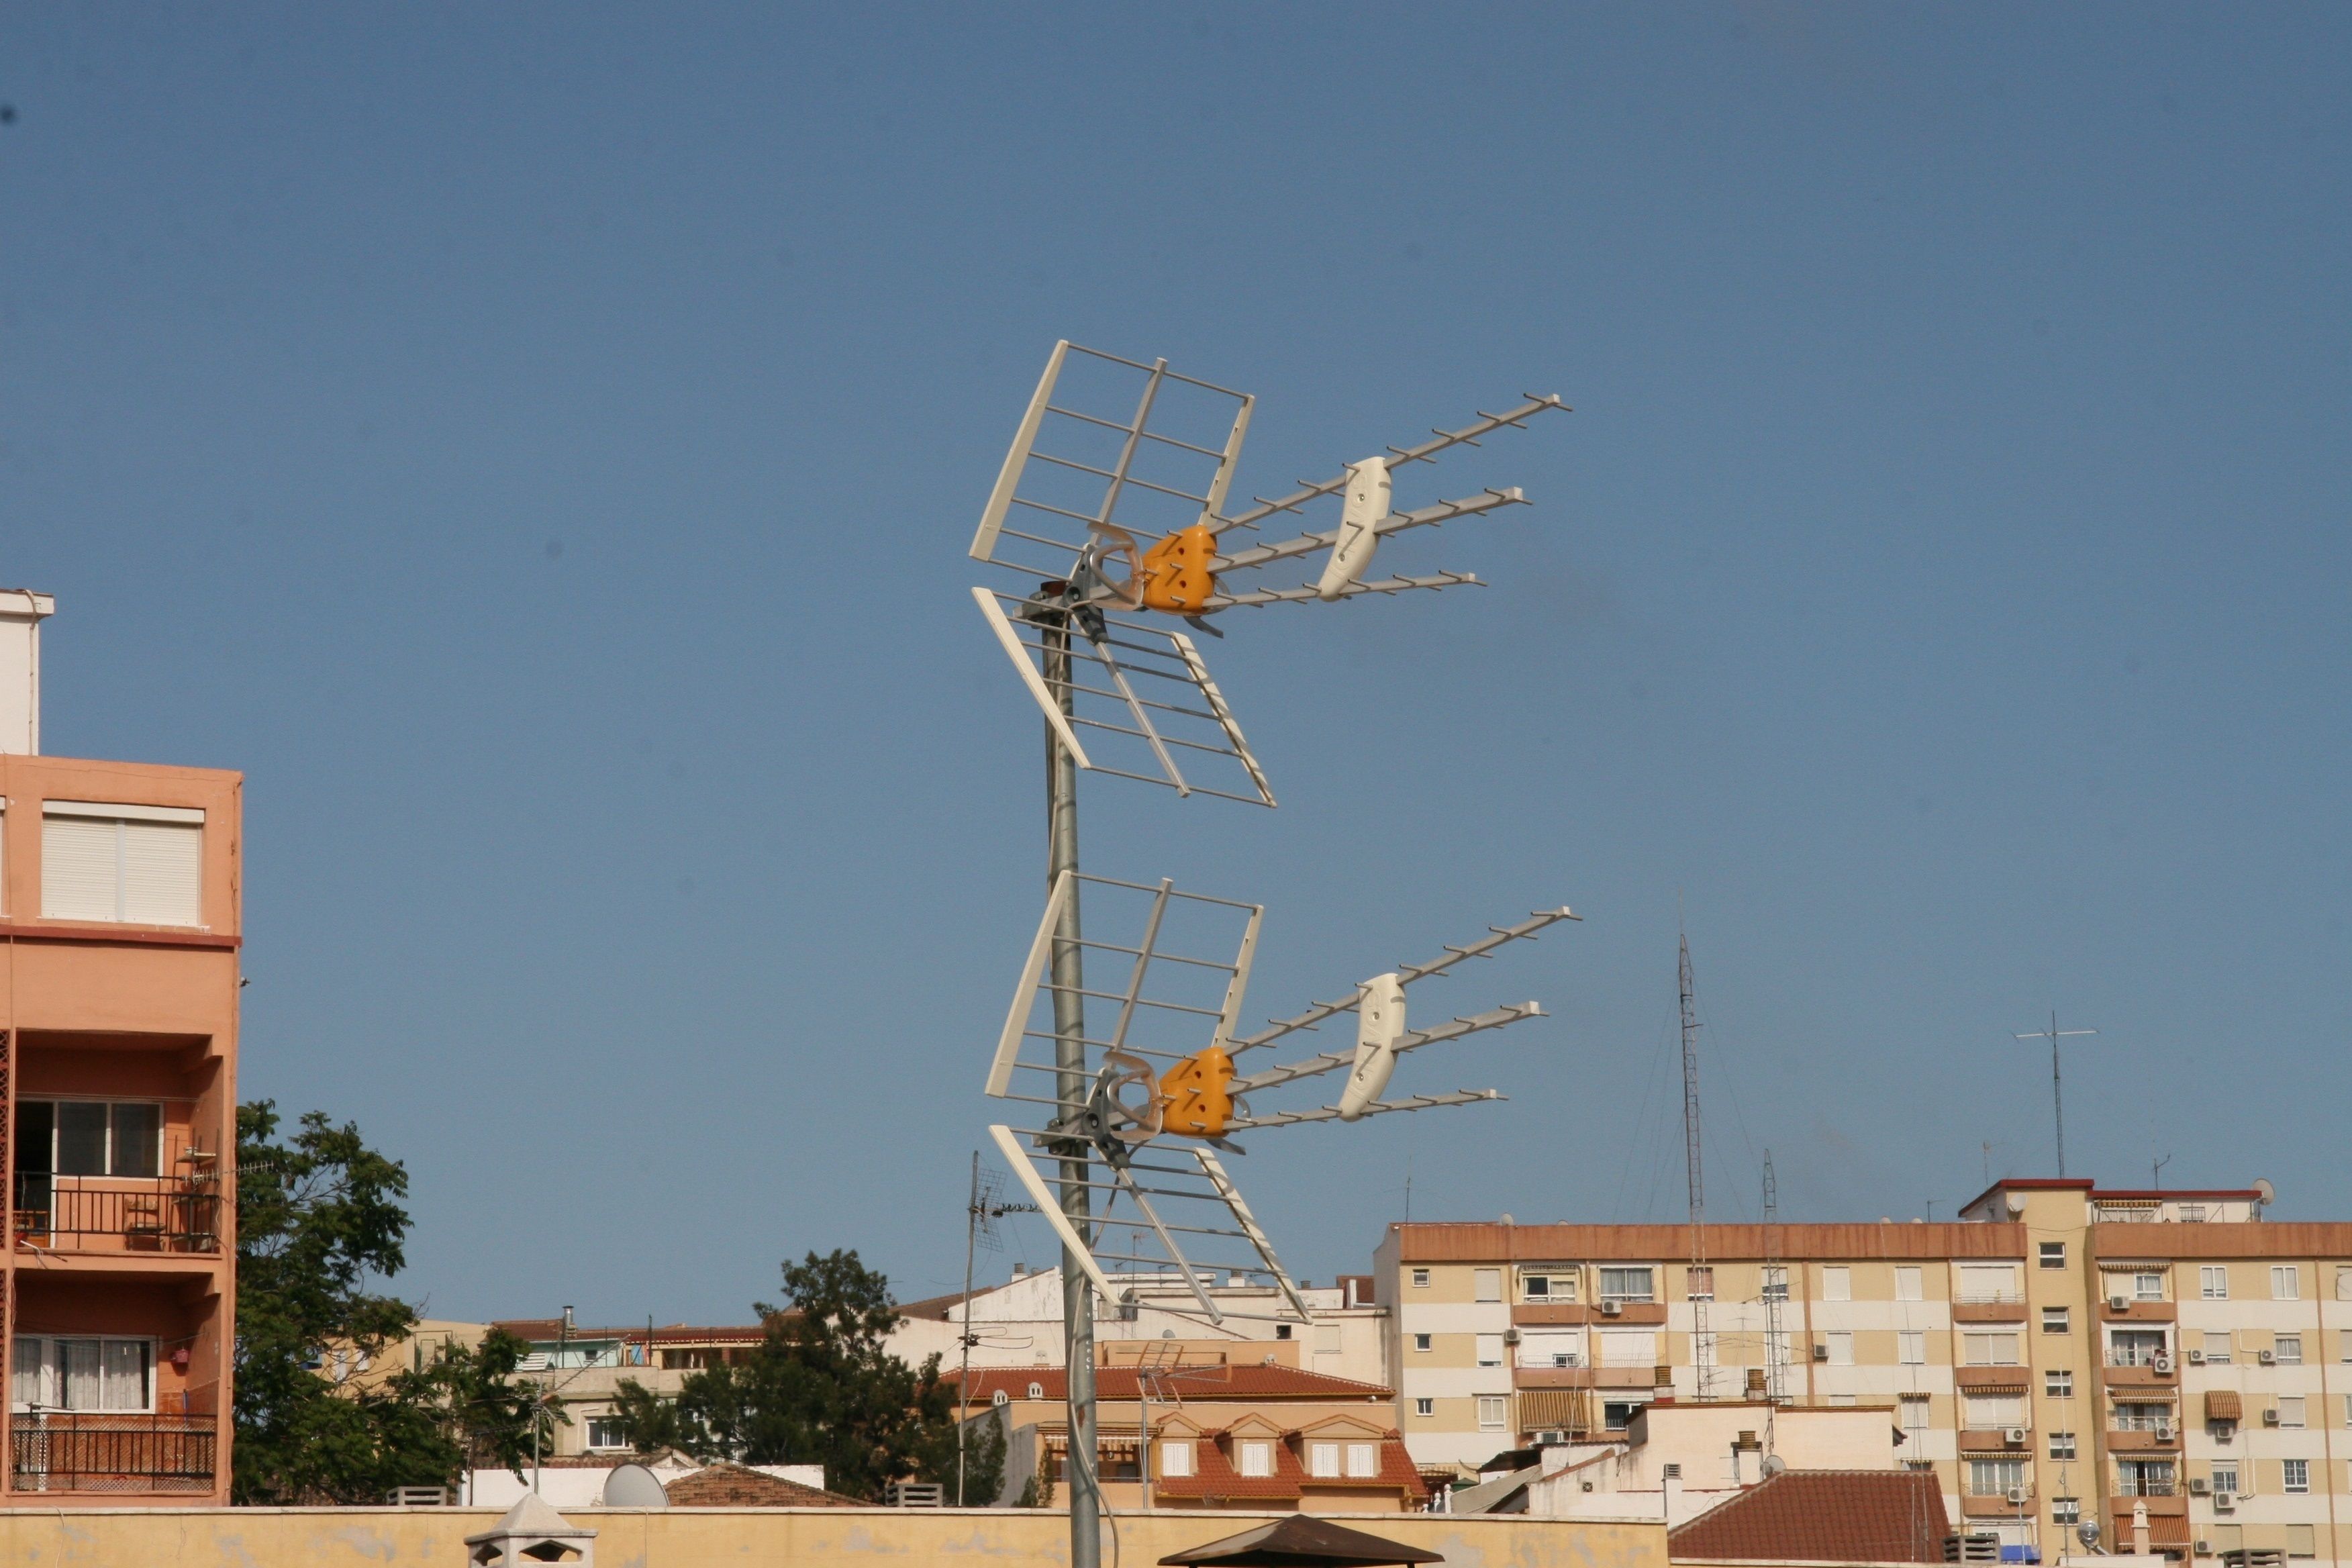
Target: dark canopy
1300, 1541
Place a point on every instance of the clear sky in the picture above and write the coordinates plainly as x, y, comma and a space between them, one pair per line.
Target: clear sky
538, 445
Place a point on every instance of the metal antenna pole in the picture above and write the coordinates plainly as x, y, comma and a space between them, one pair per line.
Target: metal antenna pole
1702, 1341
1776, 1291
1070, 1090
963, 1381
2054, 1034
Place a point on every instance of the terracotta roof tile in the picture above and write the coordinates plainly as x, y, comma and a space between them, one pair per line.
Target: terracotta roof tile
735, 1485
1821, 1516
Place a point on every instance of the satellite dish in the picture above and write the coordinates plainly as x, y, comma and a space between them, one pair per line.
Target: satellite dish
2016, 1206
2269, 1192
633, 1486
1774, 1463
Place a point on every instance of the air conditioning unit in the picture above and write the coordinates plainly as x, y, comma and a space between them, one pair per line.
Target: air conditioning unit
2162, 1363
2270, 1416
1612, 1309
1510, 1336
2267, 1358
2224, 1502
2119, 1303
1820, 1352
2196, 1358
2164, 1434
2017, 1494
1549, 1439
2204, 1547
2198, 1486
2015, 1436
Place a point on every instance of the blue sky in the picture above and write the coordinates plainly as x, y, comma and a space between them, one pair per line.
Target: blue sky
537, 444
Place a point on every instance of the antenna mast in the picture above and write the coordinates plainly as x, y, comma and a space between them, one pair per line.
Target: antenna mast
1702, 1341
1776, 1291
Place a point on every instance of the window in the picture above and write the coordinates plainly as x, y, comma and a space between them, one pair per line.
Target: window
2295, 1475
2144, 1478
1995, 1477
2285, 1282
1837, 1283
2058, 1385
88, 1138
1552, 1347
1991, 1411
1421, 1342
1493, 1412
1616, 1415
1776, 1282
1908, 1282
2054, 1254
1987, 1282
2213, 1282
2062, 1445
1841, 1347
1421, 1278
1698, 1282
1487, 1284
1424, 1406
1628, 1347
1175, 1458
2347, 1410
2192, 1214
2065, 1511
1911, 1347
2289, 1411
2134, 1347
1626, 1285
1282, 1331
1990, 1349
1363, 1461
2287, 1350
1915, 1418
1258, 1457
2343, 1284
2225, 1475
2147, 1287
607, 1432
2217, 1348
2142, 1415
1323, 1459
2301, 1541
140, 864
2053, 1320
84, 1374
1490, 1350
1548, 1285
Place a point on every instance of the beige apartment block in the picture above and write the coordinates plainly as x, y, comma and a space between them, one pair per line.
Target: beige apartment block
2059, 1355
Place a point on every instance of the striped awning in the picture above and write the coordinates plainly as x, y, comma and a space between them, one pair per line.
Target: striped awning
2163, 1529
2223, 1405
1562, 1409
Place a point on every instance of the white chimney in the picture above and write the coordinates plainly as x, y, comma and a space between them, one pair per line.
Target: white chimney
22, 611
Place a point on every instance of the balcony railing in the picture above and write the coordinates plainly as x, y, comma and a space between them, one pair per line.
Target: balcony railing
2157, 1356
115, 1214
1989, 1298
62, 1451
2146, 1486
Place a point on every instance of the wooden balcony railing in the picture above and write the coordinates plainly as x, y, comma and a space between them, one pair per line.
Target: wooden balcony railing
87, 1451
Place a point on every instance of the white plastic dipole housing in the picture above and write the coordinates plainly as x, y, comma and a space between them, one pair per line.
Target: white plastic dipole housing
1361, 512
1379, 1024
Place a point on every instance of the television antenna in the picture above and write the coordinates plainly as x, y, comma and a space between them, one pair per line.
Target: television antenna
1113, 511
982, 1211
2054, 1034
1701, 1339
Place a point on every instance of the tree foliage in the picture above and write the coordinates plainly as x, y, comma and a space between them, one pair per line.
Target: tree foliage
823, 1389
318, 1219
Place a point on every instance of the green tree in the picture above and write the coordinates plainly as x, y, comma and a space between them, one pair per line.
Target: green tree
319, 1219
822, 1389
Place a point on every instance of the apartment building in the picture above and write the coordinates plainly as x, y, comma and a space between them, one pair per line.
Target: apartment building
120, 901
2059, 1356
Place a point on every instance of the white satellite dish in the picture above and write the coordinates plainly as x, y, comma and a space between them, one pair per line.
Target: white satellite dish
633, 1486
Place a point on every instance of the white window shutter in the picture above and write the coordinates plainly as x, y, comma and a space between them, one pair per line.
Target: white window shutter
162, 873
80, 869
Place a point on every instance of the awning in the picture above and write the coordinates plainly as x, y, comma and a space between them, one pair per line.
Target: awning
1559, 1409
2223, 1405
2163, 1529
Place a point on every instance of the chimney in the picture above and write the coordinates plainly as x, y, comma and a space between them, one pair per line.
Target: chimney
22, 611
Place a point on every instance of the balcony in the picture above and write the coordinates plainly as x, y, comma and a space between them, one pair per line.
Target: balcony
1988, 1306
1997, 1505
62, 1451
118, 1213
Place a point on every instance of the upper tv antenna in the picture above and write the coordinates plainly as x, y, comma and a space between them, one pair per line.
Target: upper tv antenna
1115, 502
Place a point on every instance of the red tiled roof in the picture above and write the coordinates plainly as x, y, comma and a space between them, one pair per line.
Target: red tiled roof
1193, 1384
723, 1485
1214, 1475
1821, 1516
